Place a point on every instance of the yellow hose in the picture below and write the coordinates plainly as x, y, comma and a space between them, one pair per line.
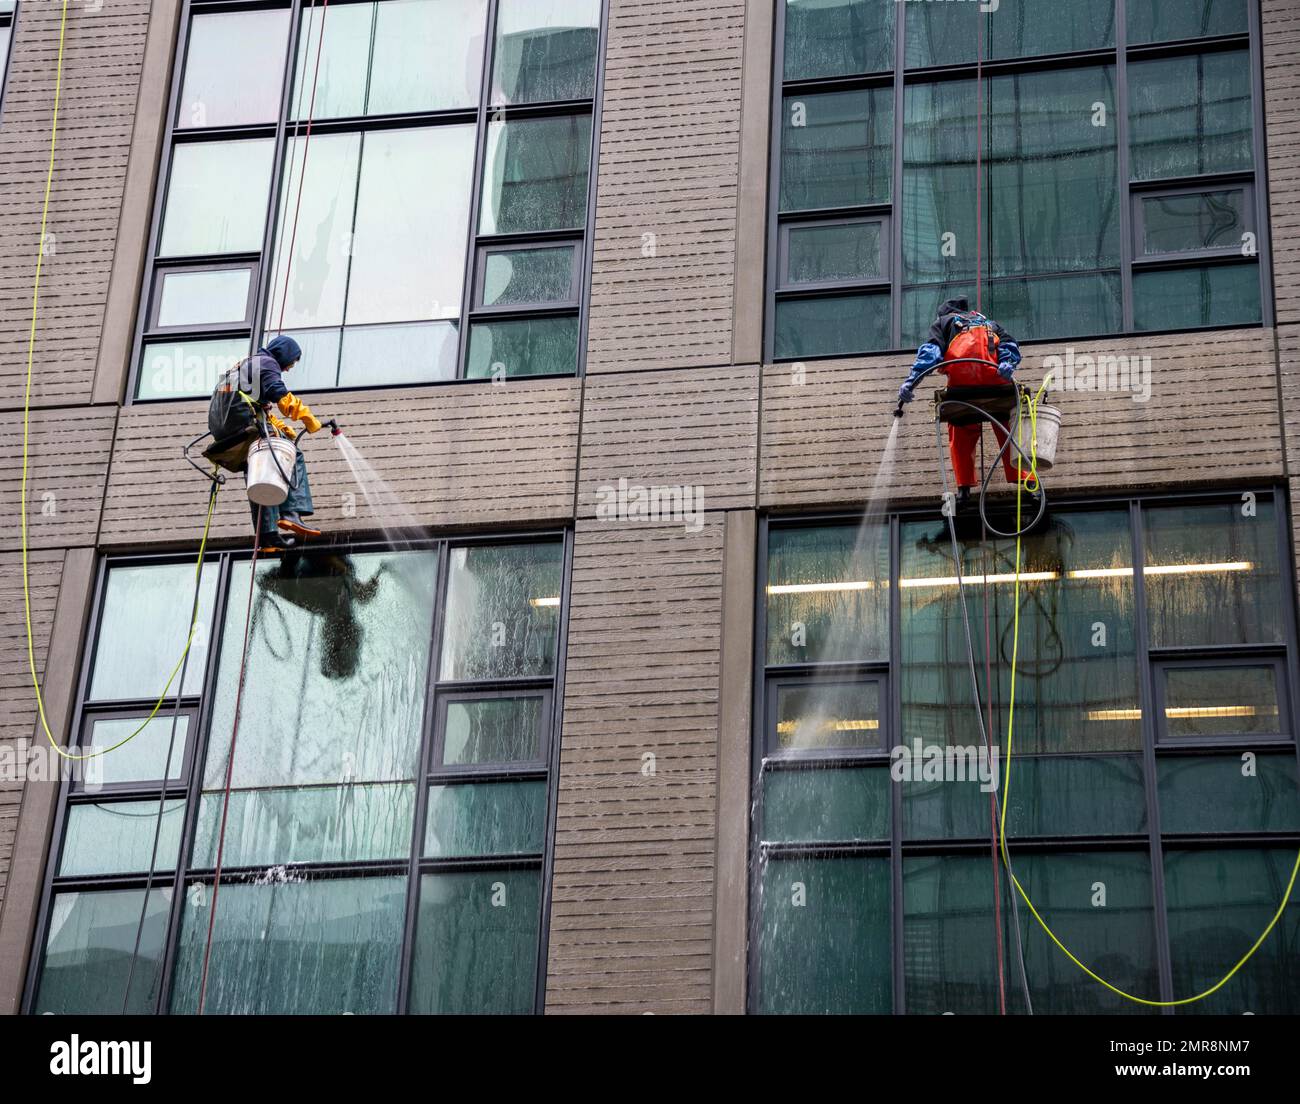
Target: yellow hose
1006, 786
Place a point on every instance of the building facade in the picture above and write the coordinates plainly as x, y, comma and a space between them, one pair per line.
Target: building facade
601, 693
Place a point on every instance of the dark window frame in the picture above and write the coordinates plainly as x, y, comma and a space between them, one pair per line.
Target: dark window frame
902, 77
1148, 661
280, 132
1189, 257
178, 880
879, 283
8, 20
1206, 659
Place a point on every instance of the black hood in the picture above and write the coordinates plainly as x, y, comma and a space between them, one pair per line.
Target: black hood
954, 306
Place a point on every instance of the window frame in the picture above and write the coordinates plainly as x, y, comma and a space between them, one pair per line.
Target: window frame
281, 132
9, 20
903, 77
1148, 661
1191, 257
1206, 659
189, 787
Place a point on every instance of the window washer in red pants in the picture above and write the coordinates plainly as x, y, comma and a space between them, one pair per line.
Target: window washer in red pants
965, 336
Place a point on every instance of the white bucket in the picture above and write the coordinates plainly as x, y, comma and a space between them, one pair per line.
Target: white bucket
1048, 430
266, 485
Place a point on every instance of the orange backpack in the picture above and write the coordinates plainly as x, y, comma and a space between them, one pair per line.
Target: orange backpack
975, 339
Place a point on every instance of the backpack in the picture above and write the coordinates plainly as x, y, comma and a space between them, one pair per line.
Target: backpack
974, 340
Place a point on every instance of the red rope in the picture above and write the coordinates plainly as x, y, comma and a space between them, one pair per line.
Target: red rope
230, 768
979, 162
302, 174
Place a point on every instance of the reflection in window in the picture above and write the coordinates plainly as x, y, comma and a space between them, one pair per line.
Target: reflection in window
835, 149
1221, 701
1204, 296
825, 714
232, 68
492, 730
1159, 21
1229, 793
216, 197
535, 175
545, 50
949, 34
837, 38
826, 806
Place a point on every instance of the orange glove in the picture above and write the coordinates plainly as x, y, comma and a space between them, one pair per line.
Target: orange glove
293, 407
280, 427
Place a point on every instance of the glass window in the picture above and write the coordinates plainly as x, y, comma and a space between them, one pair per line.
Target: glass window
821, 714
234, 68
479, 731
427, 56
344, 54
535, 175
488, 818
216, 197
186, 369
476, 942
1245, 792
1190, 115
835, 149
188, 298
824, 936
831, 326
545, 50
523, 347
1212, 575
951, 33
140, 759
835, 253
1221, 701
837, 38
143, 629
1158, 21
516, 277
502, 611
1184, 298
826, 806
117, 837
827, 594
1218, 902
1183, 222
88, 952
293, 946
413, 352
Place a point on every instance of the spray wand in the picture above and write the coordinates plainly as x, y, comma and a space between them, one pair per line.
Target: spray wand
335, 431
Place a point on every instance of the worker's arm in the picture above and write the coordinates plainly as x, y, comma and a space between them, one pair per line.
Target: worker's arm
293, 407
1008, 352
927, 356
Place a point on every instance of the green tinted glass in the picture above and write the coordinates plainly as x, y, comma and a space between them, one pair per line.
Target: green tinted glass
492, 730
1182, 298
545, 51
952, 33
827, 593
1190, 115
117, 837
1221, 701
1160, 21
832, 326
526, 347
824, 936
476, 942
535, 175
843, 252
835, 149
489, 818
513, 276
821, 715
837, 38
817, 806
1250, 792
1194, 220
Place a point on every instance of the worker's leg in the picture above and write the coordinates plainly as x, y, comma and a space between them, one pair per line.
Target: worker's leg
298, 505
962, 441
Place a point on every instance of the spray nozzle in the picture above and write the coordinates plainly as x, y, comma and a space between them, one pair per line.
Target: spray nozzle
334, 428
898, 410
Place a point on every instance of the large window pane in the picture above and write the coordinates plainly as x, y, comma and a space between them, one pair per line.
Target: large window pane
408, 252
89, 949
338, 83
1210, 295
1229, 793
831, 326
476, 942
428, 56
824, 936
837, 38
826, 805
1221, 701
838, 252
140, 759
116, 837
336, 673
186, 369
204, 298
1160, 21
1190, 115
143, 629
525, 347
293, 947
1076, 685
502, 609
1211, 574
835, 149
491, 818
492, 730
822, 714
1194, 221
545, 50
348, 823
322, 202
535, 175
413, 352
216, 197
234, 68
827, 593
1219, 902
950, 33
